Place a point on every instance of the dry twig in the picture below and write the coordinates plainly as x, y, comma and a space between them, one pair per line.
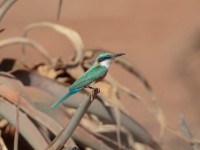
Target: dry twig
25, 41
65, 134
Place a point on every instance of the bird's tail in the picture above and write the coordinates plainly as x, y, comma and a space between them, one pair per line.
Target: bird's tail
61, 100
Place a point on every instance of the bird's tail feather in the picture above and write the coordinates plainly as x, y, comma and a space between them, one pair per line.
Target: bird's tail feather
61, 100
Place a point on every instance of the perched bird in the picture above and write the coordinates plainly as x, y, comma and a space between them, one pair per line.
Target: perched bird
96, 73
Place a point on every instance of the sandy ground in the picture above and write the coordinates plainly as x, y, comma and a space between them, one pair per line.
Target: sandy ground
160, 37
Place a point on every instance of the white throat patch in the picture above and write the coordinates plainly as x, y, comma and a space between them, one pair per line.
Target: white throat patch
106, 63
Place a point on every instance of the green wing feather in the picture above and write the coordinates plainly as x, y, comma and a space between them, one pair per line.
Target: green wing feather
94, 73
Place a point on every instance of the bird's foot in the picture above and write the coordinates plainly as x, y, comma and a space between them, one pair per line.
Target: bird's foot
95, 91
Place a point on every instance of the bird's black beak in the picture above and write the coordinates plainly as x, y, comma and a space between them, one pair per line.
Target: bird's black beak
119, 54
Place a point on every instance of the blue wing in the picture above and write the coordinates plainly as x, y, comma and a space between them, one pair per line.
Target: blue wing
93, 74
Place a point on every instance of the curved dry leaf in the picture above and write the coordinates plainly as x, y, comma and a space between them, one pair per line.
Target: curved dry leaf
25, 41
71, 34
5, 7
26, 128
106, 114
91, 54
60, 116
11, 89
155, 108
135, 71
41, 100
126, 90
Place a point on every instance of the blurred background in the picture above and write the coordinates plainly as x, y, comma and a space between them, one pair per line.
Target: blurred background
161, 38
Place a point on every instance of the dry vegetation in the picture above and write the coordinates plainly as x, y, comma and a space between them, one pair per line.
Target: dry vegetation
27, 122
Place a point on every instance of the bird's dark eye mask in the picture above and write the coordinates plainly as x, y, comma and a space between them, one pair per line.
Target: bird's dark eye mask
104, 58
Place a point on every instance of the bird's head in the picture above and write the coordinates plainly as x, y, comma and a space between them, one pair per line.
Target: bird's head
107, 58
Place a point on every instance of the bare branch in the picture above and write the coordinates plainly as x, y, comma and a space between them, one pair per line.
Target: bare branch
65, 134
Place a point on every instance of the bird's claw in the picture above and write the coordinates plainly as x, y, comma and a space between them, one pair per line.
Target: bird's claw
95, 91
98, 90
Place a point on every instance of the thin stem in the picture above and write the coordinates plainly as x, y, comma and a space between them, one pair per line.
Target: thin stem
59, 10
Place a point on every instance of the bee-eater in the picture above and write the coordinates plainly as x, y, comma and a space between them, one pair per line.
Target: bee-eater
96, 73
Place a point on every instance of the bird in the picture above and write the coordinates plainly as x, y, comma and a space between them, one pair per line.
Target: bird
95, 73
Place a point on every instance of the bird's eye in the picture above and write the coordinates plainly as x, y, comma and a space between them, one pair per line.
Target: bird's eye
104, 58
